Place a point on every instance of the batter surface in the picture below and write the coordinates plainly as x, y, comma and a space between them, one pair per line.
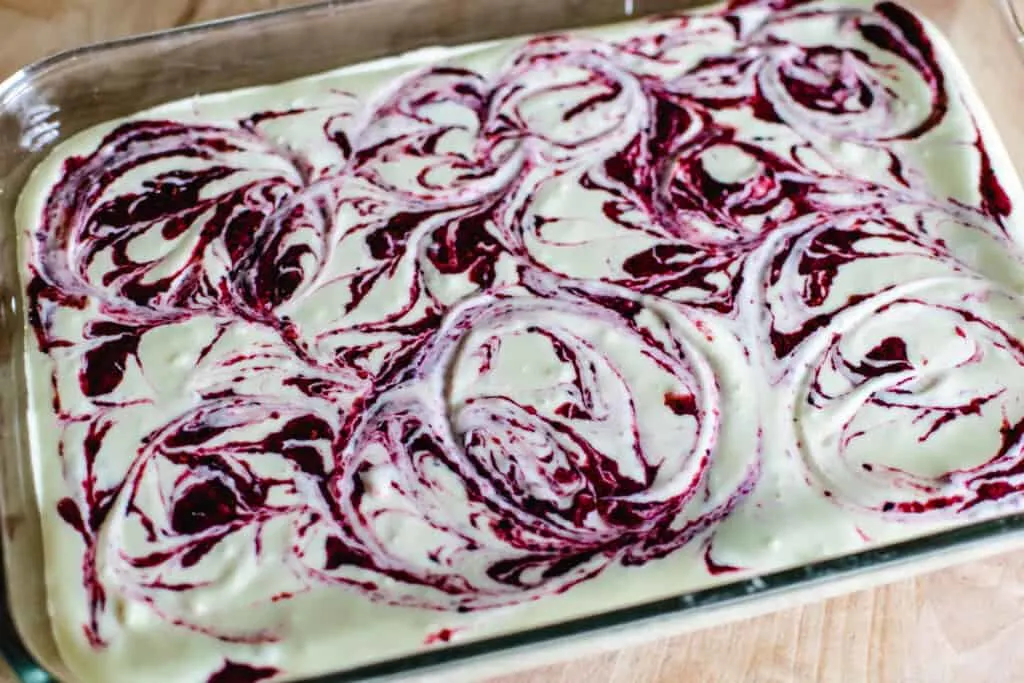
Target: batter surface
474, 339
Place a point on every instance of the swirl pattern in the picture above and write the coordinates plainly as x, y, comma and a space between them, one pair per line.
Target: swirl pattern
959, 418
479, 334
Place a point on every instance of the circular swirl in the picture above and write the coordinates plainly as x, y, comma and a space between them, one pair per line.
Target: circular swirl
945, 365
540, 441
156, 222
585, 104
667, 215
721, 191
428, 142
287, 252
565, 234
881, 82
831, 260
211, 514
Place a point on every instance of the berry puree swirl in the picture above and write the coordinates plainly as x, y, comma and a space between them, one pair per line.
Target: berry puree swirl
480, 338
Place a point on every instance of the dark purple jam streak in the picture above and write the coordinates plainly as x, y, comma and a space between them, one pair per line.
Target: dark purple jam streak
233, 672
261, 232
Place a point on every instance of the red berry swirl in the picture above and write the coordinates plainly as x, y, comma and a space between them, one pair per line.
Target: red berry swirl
473, 336
913, 407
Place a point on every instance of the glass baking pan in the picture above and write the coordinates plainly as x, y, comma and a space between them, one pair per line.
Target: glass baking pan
48, 102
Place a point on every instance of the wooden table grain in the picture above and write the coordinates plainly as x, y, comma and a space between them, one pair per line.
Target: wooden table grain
960, 624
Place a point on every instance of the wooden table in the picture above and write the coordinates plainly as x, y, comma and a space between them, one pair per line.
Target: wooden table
963, 624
